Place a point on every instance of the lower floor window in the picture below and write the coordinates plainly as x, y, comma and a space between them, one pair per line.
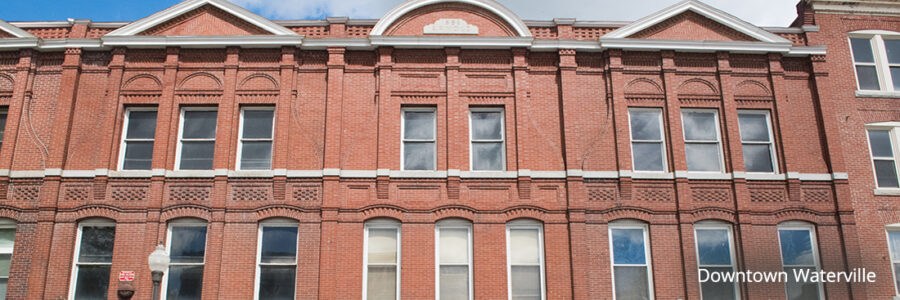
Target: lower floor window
894, 248
7, 243
526, 260
93, 259
632, 275
382, 260
277, 260
798, 253
187, 250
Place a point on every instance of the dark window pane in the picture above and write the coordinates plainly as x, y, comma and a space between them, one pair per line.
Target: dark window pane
487, 157
628, 246
754, 127
893, 50
97, 244
455, 282
886, 173
487, 125
197, 155
3, 116
703, 157
648, 156
631, 283
868, 78
418, 156
256, 156
188, 244
897, 276
718, 290
796, 247
713, 247
138, 156
199, 124
277, 282
3, 284
258, 124
801, 290
895, 77
185, 283
645, 125
525, 282
381, 283
92, 282
700, 126
758, 158
5, 260
141, 125
862, 50
880, 141
894, 241
7, 237
418, 125
279, 245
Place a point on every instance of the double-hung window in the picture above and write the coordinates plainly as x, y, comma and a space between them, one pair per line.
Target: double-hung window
876, 58
702, 146
419, 139
799, 254
883, 145
197, 138
277, 260
7, 244
93, 259
715, 254
893, 236
381, 277
454, 260
255, 149
632, 272
757, 142
137, 139
648, 145
187, 251
525, 259
488, 139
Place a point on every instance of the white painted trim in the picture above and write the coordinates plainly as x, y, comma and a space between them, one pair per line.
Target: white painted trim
180, 142
717, 225
196, 173
887, 192
248, 41
652, 175
693, 46
580, 45
418, 174
239, 163
184, 7
382, 224
548, 174
251, 174
185, 222
349, 43
877, 94
600, 175
358, 174
452, 224
703, 175
432, 141
304, 173
124, 134
764, 176
489, 174
808, 50
478, 42
662, 140
718, 141
490, 5
526, 225
502, 140
14, 31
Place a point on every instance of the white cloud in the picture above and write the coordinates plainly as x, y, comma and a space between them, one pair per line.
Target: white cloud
759, 12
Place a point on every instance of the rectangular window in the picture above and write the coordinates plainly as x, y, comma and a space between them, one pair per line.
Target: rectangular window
525, 260
7, 244
893, 236
884, 148
419, 139
756, 138
488, 139
798, 252
255, 144
93, 260
864, 61
139, 132
4, 112
648, 146
632, 276
187, 251
197, 139
876, 59
454, 260
715, 254
702, 145
276, 275
381, 277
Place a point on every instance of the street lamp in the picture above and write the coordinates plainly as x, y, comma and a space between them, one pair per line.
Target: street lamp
159, 263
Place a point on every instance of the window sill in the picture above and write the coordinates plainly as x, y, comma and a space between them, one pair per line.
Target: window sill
489, 174
887, 192
649, 175
877, 94
196, 173
703, 175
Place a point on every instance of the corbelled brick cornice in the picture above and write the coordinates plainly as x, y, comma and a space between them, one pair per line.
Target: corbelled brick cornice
861, 7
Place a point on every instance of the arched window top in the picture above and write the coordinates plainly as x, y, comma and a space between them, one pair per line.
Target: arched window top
454, 222
188, 221
383, 222
279, 221
95, 222
525, 222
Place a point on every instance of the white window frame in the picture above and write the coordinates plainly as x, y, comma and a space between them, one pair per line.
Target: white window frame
662, 136
75, 264
529, 225
181, 138
163, 287
404, 140
10, 224
770, 143
502, 139
381, 224
891, 251
259, 242
718, 141
882, 64
452, 224
797, 225
124, 140
242, 139
631, 224
893, 129
717, 225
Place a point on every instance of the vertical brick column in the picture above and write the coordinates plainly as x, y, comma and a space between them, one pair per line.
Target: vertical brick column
489, 260
23, 76
418, 261
112, 125
62, 118
620, 117
333, 107
167, 117
785, 138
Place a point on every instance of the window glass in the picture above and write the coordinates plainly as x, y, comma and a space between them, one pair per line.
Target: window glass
419, 125
139, 137
862, 50
868, 77
199, 124
454, 245
197, 155
628, 246
278, 262
880, 141
277, 282
418, 156
7, 241
488, 151
258, 123
256, 139
700, 126
487, 156
797, 254
487, 125
279, 244
631, 271
92, 268
187, 247
419, 141
754, 127
701, 138
525, 263
892, 48
646, 140
382, 246
3, 115
188, 244
894, 247
757, 142
97, 244
382, 263
141, 125
185, 282
453, 262
714, 255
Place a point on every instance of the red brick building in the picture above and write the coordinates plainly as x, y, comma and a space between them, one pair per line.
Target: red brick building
450, 150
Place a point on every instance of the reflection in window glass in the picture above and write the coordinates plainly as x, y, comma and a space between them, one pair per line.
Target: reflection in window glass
881, 142
701, 140
419, 140
139, 135
756, 139
797, 253
256, 138
714, 253
277, 262
453, 262
94, 260
647, 143
630, 263
187, 249
198, 139
487, 140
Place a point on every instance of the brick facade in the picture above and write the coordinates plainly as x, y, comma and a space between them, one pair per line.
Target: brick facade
336, 159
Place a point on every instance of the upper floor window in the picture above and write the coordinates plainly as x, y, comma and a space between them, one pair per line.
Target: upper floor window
255, 144
7, 244
883, 144
630, 248
525, 259
757, 142
187, 251
4, 112
277, 260
197, 138
419, 139
715, 254
381, 276
454, 260
798, 254
488, 139
702, 147
893, 236
93, 259
139, 132
648, 146
876, 58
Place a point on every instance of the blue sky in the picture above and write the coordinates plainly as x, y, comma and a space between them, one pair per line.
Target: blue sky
760, 12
